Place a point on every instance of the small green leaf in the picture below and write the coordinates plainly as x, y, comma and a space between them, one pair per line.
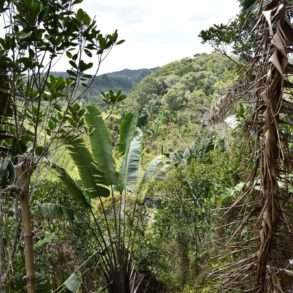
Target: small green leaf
102, 42
73, 283
120, 42
114, 36
68, 54
85, 66
24, 35
73, 64
83, 17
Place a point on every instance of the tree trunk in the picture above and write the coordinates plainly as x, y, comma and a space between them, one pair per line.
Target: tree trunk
272, 158
270, 185
120, 281
23, 177
183, 259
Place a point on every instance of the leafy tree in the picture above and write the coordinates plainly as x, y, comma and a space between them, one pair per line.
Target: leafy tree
37, 34
180, 236
237, 34
173, 102
266, 81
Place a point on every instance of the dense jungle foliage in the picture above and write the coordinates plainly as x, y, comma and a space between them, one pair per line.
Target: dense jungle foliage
173, 179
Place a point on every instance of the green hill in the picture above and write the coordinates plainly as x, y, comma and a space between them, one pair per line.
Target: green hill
124, 80
174, 101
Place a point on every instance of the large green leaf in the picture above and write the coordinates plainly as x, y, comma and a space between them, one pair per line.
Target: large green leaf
87, 171
101, 146
50, 210
155, 170
73, 283
130, 165
72, 187
47, 238
127, 130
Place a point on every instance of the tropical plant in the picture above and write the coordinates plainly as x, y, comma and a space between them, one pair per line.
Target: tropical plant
115, 224
262, 264
36, 103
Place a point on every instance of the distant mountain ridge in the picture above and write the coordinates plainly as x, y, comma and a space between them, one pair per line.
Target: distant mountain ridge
124, 80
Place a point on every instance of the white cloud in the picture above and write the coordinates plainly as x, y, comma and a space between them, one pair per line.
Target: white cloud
157, 31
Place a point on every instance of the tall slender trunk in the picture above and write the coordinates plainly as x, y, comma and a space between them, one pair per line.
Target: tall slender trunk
23, 178
183, 258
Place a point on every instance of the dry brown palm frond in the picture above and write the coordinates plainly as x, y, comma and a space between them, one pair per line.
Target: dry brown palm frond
242, 90
263, 265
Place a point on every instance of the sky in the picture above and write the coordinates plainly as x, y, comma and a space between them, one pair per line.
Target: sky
157, 32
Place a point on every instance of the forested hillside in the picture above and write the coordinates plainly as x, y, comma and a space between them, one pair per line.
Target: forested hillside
173, 103
124, 80
134, 181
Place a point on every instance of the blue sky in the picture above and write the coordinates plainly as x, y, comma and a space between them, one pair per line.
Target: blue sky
157, 31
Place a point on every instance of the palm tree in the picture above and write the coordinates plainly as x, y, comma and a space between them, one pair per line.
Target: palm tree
116, 230
265, 268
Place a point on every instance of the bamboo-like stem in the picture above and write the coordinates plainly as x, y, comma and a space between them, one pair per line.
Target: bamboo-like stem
23, 177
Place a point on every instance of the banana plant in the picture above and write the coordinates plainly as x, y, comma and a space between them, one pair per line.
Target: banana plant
103, 180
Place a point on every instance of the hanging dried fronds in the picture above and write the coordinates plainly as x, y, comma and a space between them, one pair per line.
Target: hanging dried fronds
265, 265
241, 91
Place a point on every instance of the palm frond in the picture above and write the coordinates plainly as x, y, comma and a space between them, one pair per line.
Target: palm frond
156, 170
55, 211
101, 146
71, 185
130, 165
88, 172
241, 91
73, 282
127, 131
153, 169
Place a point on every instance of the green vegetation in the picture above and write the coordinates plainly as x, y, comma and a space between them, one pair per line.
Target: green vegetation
124, 80
174, 102
132, 181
